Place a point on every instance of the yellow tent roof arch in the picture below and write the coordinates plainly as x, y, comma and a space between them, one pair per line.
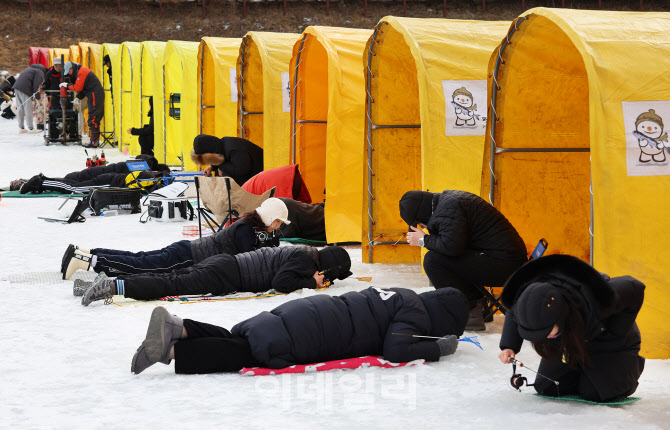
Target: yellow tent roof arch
582, 115
327, 123
414, 137
112, 93
217, 86
264, 101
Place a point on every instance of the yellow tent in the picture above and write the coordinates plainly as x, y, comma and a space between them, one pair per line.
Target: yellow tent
217, 86
112, 93
180, 123
581, 98
57, 52
327, 123
75, 54
418, 71
129, 105
151, 83
264, 102
94, 60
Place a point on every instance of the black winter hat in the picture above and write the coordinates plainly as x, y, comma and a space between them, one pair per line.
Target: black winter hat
448, 311
537, 309
205, 144
416, 207
106, 59
336, 262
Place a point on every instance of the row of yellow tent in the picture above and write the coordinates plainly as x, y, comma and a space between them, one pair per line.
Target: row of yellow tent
369, 114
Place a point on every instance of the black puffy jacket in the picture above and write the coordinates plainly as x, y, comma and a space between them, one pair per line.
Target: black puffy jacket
323, 328
285, 269
608, 308
307, 221
237, 237
463, 220
243, 159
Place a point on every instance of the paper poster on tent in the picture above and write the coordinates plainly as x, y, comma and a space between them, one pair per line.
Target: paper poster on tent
233, 84
286, 92
465, 107
647, 147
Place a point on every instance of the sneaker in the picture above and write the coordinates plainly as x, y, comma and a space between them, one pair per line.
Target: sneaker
100, 290
80, 287
16, 184
32, 185
90, 145
22, 130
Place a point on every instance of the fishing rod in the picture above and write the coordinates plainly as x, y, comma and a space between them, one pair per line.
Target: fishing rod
517, 380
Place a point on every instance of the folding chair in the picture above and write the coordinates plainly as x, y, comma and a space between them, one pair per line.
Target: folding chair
140, 166
224, 200
493, 301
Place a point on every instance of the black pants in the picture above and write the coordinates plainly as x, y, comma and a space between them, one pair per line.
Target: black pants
469, 271
115, 262
217, 275
211, 349
92, 172
67, 186
96, 111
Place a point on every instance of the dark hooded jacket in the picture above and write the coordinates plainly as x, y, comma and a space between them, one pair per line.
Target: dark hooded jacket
323, 328
243, 159
607, 306
234, 239
146, 133
460, 221
307, 220
290, 268
120, 167
30, 79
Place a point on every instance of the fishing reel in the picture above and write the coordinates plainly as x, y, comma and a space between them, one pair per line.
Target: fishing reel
517, 380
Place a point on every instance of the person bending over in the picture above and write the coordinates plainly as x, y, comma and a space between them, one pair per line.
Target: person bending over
582, 324
470, 244
284, 269
241, 236
307, 220
311, 330
229, 156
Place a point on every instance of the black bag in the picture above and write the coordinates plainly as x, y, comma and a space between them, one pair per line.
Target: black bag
126, 198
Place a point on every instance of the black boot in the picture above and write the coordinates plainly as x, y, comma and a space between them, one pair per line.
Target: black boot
476, 318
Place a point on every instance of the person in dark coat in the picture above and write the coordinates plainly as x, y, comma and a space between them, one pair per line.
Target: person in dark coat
582, 324
110, 175
307, 220
241, 236
86, 84
27, 86
229, 156
146, 133
52, 81
312, 330
284, 269
470, 244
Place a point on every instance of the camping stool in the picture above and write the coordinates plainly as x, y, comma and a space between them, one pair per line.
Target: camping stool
493, 303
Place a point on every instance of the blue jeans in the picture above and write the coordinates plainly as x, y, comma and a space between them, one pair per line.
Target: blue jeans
114, 262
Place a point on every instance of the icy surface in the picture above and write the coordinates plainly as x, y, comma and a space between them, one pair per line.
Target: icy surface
66, 366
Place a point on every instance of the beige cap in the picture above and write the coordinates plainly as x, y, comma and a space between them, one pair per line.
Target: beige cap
57, 60
273, 209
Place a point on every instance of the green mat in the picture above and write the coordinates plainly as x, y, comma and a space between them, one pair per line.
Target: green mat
576, 398
17, 195
298, 241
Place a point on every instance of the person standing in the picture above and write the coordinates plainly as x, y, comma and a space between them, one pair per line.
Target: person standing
581, 322
88, 86
471, 245
26, 86
146, 133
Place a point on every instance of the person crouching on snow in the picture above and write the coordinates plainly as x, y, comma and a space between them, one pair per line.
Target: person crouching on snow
235, 157
240, 236
312, 330
581, 322
284, 269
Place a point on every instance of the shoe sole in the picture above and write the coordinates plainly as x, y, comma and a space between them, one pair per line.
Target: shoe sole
69, 253
154, 343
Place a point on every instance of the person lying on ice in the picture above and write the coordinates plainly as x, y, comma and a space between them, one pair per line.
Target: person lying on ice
110, 175
582, 324
229, 156
471, 245
284, 269
311, 330
241, 236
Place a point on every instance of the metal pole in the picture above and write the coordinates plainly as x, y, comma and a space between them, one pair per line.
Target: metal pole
204, 14
118, 7
160, 5
165, 102
294, 105
241, 97
328, 7
523, 5
202, 72
591, 224
75, 9
404, 7
368, 115
244, 9
641, 7
365, 8
444, 8
284, 7
30, 8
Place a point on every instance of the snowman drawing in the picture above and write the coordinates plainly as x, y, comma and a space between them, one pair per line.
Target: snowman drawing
462, 101
650, 137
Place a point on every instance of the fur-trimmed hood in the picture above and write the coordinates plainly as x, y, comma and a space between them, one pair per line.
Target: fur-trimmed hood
561, 271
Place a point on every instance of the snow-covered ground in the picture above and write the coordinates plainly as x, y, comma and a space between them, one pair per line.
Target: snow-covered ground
66, 366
